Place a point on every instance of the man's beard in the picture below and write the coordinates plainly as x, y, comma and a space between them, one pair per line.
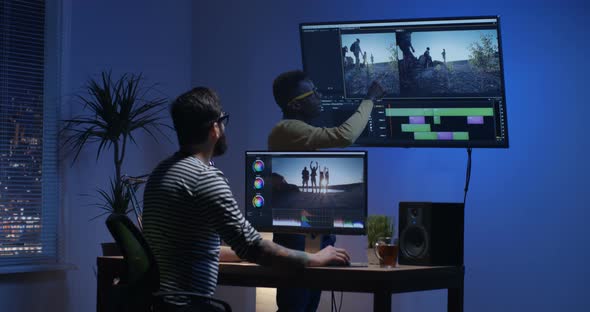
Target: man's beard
220, 146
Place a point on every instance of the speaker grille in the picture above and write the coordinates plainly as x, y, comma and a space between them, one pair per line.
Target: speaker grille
414, 242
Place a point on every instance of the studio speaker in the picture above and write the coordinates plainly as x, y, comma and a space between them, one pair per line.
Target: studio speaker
431, 233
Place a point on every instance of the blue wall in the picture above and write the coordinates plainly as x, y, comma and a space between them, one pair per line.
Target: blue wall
526, 210
149, 37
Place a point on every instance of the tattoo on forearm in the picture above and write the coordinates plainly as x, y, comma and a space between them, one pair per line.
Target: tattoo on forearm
276, 255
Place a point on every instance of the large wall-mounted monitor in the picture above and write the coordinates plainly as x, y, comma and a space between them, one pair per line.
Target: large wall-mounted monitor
307, 192
443, 79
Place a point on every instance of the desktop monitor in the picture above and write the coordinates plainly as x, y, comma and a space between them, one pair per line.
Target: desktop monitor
307, 192
443, 79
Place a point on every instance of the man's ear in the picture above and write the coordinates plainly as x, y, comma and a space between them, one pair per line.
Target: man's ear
295, 106
215, 131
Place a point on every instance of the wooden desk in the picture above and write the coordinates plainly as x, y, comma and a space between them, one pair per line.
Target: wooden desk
381, 282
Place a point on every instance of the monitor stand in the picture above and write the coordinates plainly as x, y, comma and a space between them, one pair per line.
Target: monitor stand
313, 243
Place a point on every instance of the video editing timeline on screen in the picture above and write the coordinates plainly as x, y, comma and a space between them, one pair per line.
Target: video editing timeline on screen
306, 192
443, 78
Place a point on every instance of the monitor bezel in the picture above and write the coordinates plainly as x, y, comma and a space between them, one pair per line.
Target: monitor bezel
300, 230
431, 144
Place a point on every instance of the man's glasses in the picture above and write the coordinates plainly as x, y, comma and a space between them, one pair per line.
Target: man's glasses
304, 95
224, 119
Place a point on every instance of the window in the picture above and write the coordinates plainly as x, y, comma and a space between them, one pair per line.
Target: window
28, 137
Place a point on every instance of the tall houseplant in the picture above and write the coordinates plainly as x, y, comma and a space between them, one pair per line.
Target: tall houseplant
113, 112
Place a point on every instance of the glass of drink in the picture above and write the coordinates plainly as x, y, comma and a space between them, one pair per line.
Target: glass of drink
386, 250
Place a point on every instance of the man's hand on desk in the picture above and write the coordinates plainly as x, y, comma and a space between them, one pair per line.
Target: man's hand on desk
272, 254
329, 256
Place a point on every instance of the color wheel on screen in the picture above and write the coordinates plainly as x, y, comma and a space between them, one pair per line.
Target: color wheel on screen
257, 201
258, 166
258, 183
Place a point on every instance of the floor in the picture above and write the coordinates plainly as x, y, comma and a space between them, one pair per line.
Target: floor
265, 300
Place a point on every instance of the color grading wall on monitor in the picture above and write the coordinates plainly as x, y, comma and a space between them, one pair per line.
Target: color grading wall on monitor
307, 192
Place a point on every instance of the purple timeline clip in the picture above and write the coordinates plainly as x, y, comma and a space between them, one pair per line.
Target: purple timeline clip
444, 135
475, 120
417, 120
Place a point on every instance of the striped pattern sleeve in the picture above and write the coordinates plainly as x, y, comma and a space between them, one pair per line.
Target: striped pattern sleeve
222, 212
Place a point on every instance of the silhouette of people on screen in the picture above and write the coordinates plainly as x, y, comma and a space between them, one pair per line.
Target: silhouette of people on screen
444, 56
314, 173
404, 41
304, 179
346, 60
321, 179
355, 48
327, 178
344, 51
365, 58
372, 59
427, 59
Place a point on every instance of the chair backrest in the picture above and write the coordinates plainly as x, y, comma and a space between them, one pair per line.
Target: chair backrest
143, 277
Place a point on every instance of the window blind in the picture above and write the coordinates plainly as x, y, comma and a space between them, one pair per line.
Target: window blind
28, 139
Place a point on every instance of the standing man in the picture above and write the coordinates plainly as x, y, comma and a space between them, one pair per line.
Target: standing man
327, 177
444, 55
305, 179
404, 41
314, 173
321, 179
427, 58
299, 101
189, 208
355, 48
297, 97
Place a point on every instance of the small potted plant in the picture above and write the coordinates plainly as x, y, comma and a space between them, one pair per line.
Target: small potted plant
377, 226
114, 110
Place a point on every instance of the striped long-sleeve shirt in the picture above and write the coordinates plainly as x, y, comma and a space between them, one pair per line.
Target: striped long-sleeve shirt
188, 208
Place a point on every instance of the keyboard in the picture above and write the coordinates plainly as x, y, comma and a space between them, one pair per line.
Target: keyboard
351, 264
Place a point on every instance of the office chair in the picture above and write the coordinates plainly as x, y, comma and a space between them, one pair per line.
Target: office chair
138, 289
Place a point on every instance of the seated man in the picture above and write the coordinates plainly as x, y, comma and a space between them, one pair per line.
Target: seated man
296, 95
189, 207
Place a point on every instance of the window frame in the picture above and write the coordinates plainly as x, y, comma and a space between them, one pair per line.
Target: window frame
52, 232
